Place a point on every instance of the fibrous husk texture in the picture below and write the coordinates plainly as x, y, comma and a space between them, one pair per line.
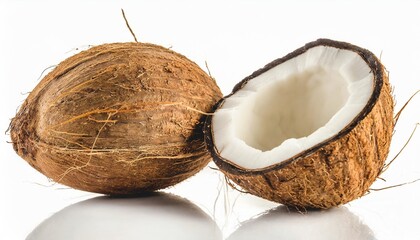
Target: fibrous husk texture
333, 172
118, 118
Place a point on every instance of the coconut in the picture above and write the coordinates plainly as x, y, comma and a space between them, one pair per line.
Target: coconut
311, 129
118, 118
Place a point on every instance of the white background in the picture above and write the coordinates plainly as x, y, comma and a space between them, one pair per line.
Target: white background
235, 38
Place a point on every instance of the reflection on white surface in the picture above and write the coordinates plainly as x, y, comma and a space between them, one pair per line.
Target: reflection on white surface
156, 216
283, 223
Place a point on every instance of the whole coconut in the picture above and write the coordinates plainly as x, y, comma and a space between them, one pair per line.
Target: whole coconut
119, 118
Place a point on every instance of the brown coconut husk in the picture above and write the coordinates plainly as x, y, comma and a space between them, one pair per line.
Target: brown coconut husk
119, 118
335, 171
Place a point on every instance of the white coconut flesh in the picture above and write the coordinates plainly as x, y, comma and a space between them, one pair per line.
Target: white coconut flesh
292, 107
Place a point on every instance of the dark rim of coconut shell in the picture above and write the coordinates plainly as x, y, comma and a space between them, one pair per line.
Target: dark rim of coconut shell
371, 60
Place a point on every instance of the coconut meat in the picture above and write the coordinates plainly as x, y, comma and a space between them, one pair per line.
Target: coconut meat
292, 107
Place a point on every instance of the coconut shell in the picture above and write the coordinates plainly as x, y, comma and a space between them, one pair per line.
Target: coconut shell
118, 118
335, 171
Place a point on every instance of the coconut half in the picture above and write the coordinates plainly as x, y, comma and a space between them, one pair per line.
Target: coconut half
311, 129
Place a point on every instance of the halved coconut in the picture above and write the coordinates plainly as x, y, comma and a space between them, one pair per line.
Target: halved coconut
311, 129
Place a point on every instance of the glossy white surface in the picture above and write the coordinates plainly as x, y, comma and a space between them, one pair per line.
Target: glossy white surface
235, 38
284, 223
156, 216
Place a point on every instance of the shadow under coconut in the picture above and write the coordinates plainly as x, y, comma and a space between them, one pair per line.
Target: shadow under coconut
284, 223
153, 216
